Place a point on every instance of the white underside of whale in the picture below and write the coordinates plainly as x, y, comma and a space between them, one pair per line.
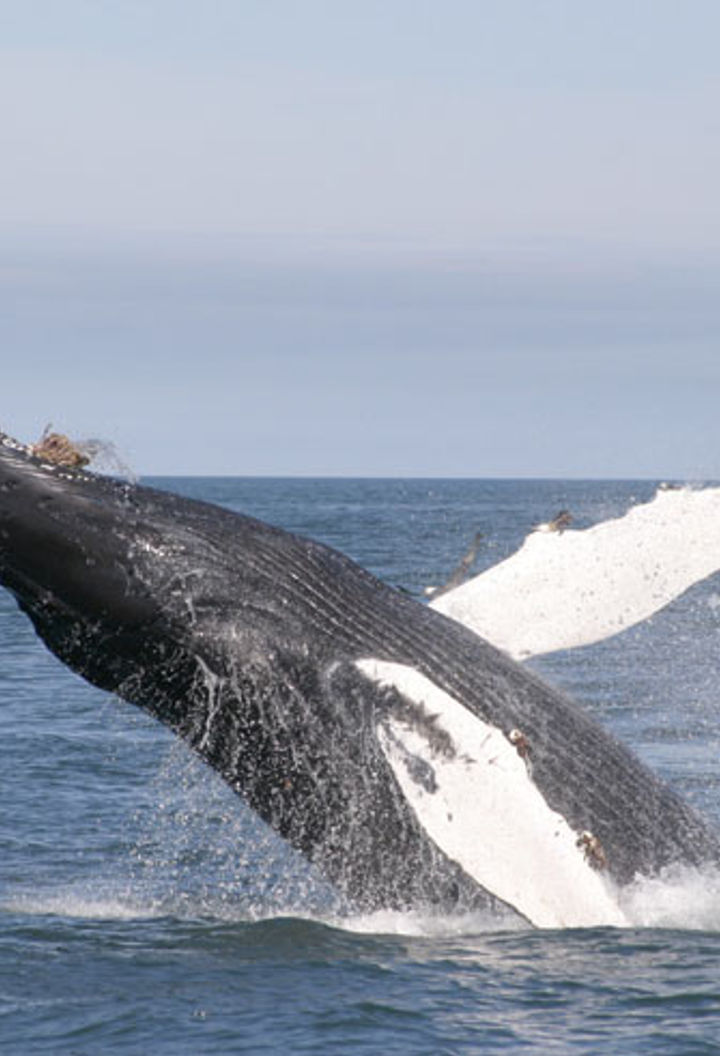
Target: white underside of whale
571, 588
480, 806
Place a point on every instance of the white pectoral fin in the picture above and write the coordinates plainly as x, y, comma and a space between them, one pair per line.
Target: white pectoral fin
472, 791
565, 589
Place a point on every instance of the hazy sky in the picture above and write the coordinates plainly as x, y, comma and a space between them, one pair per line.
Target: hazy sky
476, 237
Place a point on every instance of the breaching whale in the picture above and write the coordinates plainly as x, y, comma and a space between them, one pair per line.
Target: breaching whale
415, 764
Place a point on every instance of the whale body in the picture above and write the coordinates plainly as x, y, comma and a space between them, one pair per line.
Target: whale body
412, 762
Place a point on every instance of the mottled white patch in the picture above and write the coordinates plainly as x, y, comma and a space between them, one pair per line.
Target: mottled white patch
565, 589
474, 795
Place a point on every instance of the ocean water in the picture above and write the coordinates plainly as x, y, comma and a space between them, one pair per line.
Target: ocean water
144, 909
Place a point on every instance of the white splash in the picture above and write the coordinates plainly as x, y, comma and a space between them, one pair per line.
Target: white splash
413, 923
481, 807
679, 897
79, 905
566, 589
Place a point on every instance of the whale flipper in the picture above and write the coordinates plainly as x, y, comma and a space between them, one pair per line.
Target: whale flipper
569, 588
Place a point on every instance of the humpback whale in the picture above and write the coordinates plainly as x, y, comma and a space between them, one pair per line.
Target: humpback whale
415, 764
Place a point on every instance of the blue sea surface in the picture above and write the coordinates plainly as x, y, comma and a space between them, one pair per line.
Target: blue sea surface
145, 909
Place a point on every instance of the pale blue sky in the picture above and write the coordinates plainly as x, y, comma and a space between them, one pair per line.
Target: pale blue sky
462, 238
